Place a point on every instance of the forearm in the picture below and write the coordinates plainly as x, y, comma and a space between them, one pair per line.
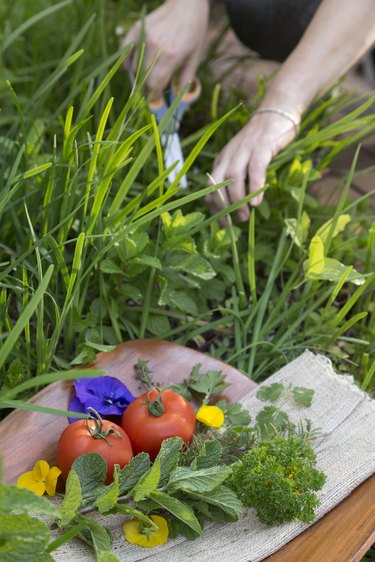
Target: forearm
339, 34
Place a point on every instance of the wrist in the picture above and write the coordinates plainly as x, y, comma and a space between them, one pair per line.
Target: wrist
287, 99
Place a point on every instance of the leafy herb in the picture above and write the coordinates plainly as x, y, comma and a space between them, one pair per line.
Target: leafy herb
203, 386
143, 373
270, 392
272, 421
235, 414
302, 396
278, 478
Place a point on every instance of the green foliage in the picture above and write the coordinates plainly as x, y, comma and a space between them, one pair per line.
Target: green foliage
302, 396
201, 386
278, 478
18, 500
270, 392
22, 538
97, 249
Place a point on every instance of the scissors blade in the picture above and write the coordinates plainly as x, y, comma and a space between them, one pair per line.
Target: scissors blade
172, 154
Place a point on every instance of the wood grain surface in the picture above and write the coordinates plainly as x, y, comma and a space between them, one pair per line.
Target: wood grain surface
343, 535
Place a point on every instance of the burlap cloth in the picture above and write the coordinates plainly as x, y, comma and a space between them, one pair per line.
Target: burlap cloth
345, 451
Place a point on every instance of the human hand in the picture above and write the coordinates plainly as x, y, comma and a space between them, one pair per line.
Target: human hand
246, 158
175, 34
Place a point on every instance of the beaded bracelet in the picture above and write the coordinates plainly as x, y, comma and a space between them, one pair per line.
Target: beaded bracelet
281, 112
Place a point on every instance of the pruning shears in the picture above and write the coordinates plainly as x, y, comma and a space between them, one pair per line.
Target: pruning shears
170, 138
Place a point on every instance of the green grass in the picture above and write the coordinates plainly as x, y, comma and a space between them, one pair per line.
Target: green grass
98, 248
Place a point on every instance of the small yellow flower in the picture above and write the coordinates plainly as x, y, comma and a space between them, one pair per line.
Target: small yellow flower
137, 532
40, 479
211, 416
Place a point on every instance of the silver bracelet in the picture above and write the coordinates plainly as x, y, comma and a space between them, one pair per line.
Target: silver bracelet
281, 112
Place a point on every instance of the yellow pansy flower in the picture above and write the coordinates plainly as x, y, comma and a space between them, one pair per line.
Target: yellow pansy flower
212, 416
137, 532
40, 479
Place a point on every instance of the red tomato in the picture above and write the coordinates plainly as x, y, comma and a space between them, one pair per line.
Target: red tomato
76, 440
146, 431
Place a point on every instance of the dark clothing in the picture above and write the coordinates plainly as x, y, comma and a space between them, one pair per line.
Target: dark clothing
271, 28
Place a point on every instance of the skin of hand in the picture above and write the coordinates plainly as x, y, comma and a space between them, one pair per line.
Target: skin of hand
175, 35
338, 35
247, 155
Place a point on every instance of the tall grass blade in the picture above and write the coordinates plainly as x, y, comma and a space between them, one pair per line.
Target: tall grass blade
25, 316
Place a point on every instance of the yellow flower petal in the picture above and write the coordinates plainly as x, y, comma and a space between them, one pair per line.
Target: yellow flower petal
138, 533
51, 480
26, 480
40, 471
211, 416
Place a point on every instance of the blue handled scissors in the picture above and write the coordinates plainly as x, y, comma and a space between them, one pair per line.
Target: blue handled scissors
170, 138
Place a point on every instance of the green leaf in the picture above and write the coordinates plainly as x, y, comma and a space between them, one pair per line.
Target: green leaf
72, 499
339, 224
132, 472
179, 509
211, 511
132, 292
223, 498
131, 246
298, 231
109, 496
333, 270
235, 414
91, 470
316, 259
303, 395
271, 420
202, 480
22, 538
178, 299
96, 535
209, 456
126, 510
169, 456
158, 324
193, 264
46, 558
270, 392
150, 261
109, 266
208, 383
148, 483
107, 556
178, 224
20, 500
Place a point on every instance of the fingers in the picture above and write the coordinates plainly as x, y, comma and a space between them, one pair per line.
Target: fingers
259, 162
131, 37
245, 159
189, 70
229, 166
174, 39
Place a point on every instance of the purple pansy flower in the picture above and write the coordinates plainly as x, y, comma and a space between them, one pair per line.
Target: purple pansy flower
107, 395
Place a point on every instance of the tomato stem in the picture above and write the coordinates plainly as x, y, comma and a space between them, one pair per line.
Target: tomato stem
155, 407
97, 431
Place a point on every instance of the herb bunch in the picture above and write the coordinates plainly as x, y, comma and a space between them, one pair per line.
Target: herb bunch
278, 478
